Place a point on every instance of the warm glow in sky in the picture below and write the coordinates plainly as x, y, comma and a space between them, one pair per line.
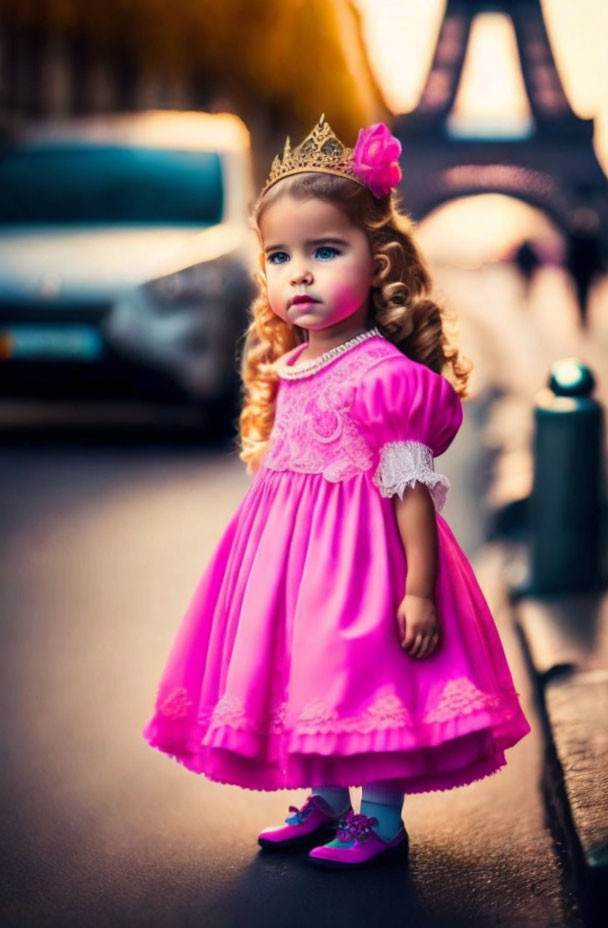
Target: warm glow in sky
491, 95
401, 36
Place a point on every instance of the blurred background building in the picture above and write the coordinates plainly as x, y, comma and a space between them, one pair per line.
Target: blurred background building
269, 61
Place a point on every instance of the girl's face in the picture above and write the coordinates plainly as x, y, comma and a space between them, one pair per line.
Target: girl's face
311, 249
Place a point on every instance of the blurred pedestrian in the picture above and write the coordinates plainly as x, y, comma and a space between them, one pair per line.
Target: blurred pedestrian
338, 635
584, 257
527, 262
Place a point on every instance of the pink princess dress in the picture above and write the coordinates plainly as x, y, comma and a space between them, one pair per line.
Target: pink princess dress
287, 669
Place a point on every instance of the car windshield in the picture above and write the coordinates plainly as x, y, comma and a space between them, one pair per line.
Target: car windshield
82, 184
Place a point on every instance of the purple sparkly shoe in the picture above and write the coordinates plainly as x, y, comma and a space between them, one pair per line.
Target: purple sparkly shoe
314, 821
357, 845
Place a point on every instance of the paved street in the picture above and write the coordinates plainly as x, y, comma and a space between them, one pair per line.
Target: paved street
101, 549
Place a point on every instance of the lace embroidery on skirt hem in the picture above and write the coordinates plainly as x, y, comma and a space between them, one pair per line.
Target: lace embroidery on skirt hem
459, 697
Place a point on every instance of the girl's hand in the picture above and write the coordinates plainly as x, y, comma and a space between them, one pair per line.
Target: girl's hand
417, 622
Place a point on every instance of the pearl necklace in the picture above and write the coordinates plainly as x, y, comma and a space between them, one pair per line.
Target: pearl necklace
311, 367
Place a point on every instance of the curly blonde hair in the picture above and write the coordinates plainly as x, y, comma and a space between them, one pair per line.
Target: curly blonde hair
400, 306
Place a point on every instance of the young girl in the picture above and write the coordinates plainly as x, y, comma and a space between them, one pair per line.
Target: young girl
338, 636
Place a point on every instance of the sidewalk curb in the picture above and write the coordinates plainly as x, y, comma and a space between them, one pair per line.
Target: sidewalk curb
570, 697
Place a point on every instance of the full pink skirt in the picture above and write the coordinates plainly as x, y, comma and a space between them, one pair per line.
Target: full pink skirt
287, 672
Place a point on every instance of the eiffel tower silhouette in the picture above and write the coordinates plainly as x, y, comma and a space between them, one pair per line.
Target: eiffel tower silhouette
551, 164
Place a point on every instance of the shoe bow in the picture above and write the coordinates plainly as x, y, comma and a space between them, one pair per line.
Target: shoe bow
302, 812
357, 826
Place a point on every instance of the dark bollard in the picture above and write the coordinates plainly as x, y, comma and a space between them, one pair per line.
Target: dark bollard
566, 500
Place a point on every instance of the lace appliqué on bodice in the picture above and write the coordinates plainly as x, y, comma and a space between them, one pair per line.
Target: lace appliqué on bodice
402, 464
313, 431
458, 697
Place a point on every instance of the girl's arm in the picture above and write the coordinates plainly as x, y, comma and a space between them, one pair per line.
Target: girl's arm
418, 530
416, 615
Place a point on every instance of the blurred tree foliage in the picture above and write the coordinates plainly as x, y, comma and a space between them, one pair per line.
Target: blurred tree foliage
280, 62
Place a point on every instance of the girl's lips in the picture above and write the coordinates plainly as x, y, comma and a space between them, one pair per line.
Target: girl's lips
305, 304
303, 298
304, 301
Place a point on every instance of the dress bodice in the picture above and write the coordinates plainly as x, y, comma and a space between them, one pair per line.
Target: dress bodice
364, 406
315, 430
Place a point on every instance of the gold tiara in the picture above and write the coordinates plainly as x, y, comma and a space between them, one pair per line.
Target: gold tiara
321, 151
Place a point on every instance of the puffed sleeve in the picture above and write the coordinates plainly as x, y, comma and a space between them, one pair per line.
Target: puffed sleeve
411, 415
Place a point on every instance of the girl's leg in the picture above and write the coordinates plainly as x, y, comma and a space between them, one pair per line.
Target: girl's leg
337, 797
384, 802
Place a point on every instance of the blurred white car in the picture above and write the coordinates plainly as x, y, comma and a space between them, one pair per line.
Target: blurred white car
125, 257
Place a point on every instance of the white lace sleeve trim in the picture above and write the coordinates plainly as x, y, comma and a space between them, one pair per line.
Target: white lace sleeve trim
402, 463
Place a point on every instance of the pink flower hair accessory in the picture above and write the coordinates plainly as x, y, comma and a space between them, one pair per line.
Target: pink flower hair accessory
374, 158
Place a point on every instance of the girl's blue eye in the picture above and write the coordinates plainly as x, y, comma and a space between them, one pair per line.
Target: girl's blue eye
324, 252
276, 254
329, 251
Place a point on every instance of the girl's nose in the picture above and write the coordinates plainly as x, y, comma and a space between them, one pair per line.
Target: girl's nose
300, 275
